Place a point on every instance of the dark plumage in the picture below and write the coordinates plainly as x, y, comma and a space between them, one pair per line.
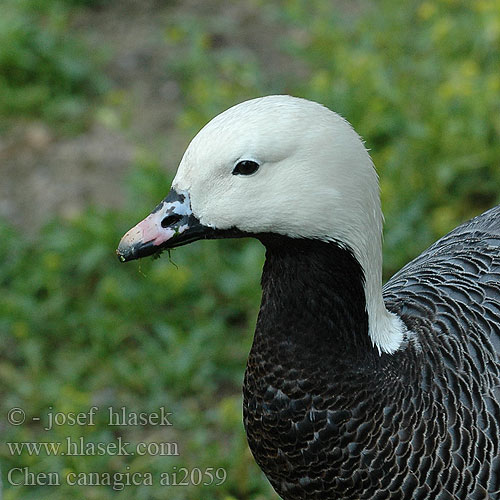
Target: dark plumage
328, 418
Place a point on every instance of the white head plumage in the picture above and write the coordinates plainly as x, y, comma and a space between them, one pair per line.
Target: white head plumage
315, 180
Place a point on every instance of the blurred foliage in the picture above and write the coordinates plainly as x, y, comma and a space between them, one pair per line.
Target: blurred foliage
45, 70
80, 329
225, 74
418, 81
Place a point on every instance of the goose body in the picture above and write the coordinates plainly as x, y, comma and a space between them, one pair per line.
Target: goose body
351, 391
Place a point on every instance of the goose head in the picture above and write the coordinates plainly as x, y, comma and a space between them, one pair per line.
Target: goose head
281, 165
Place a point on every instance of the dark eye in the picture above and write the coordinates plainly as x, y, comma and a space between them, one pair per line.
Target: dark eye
245, 167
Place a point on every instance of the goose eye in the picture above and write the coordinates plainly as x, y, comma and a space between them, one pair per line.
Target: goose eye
245, 167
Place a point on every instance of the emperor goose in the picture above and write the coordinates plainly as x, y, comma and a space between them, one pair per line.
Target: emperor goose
351, 391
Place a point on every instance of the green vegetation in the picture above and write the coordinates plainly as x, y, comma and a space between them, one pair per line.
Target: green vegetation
80, 329
421, 85
45, 71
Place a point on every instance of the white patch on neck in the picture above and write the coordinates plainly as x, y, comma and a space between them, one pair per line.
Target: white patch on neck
386, 329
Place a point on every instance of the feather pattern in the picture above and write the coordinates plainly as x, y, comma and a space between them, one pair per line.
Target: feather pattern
327, 417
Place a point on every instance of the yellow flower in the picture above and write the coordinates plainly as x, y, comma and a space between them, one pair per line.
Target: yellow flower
52, 261
20, 329
469, 68
426, 10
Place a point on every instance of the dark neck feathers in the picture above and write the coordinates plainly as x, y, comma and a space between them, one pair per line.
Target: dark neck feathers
313, 301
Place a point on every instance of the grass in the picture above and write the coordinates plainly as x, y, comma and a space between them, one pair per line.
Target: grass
46, 72
80, 329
